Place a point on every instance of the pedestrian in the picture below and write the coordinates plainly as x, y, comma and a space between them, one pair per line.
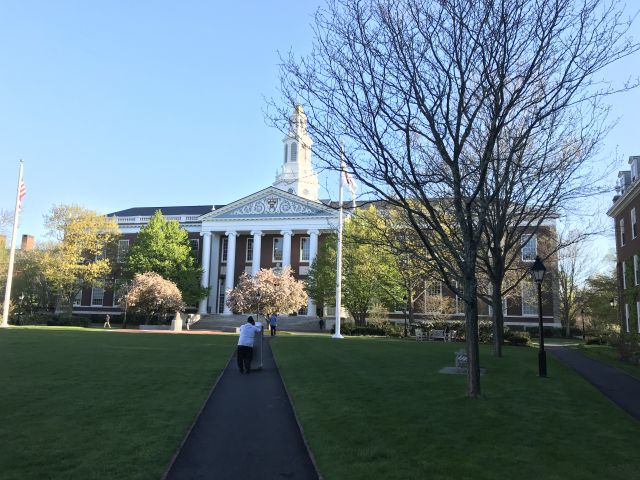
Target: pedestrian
107, 319
321, 324
245, 344
273, 324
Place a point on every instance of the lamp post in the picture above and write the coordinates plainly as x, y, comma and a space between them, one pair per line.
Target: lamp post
258, 314
582, 313
404, 299
537, 272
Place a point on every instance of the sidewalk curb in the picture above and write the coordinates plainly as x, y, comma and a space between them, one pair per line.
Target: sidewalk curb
197, 417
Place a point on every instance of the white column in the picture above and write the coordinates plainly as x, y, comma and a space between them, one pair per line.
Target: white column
257, 248
231, 267
204, 281
286, 248
214, 272
313, 251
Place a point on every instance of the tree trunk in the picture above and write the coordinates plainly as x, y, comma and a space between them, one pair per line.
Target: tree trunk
498, 319
471, 334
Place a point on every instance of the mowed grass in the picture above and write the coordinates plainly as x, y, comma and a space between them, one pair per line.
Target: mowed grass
82, 404
379, 409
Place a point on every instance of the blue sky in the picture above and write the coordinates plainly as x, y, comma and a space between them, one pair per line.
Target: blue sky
115, 104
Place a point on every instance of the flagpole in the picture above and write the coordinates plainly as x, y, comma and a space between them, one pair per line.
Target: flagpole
12, 254
339, 251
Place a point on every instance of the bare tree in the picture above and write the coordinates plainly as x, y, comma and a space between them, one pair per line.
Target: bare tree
424, 93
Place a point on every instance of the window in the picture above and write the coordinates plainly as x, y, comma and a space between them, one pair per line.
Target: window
225, 247
626, 317
634, 224
635, 269
249, 254
195, 246
77, 301
634, 170
624, 275
123, 250
304, 249
277, 249
529, 247
97, 296
294, 152
434, 289
638, 315
622, 232
286, 147
529, 299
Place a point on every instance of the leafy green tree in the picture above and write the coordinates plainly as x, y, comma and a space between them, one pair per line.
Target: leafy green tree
370, 271
599, 290
163, 247
77, 257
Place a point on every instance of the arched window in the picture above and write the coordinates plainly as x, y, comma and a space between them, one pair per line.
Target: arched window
294, 152
285, 152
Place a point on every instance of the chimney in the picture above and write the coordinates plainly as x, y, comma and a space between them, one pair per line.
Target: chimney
28, 243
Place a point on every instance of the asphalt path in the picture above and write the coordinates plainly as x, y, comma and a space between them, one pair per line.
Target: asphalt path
247, 430
620, 387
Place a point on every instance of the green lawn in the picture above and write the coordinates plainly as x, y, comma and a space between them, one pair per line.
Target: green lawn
608, 355
379, 409
83, 404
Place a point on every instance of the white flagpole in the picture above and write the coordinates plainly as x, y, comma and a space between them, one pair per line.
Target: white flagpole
339, 253
12, 254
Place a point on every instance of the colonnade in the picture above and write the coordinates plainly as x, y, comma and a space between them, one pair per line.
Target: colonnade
210, 270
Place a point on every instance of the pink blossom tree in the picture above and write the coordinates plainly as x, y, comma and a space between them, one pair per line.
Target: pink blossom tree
272, 292
152, 296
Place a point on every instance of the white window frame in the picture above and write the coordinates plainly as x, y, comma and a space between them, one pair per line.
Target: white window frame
224, 249
624, 275
622, 232
634, 224
77, 300
529, 309
527, 243
97, 293
196, 242
248, 254
122, 252
626, 317
277, 240
635, 270
638, 315
305, 241
431, 284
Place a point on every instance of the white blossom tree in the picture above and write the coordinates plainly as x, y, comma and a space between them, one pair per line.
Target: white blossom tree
269, 292
152, 296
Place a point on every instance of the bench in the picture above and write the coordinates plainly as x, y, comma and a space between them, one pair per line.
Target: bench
462, 361
421, 335
438, 335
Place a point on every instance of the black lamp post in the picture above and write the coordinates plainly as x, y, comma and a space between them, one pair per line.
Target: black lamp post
537, 272
582, 313
404, 299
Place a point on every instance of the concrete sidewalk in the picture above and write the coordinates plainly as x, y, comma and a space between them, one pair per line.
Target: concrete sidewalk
620, 387
247, 430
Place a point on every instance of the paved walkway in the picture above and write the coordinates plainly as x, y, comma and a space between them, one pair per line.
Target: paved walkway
247, 431
618, 386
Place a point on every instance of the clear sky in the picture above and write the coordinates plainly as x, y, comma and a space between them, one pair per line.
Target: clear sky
115, 104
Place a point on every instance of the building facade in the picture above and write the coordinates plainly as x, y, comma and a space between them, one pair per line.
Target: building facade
624, 212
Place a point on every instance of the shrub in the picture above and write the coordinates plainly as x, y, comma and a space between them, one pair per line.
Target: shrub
384, 329
520, 339
37, 318
65, 321
628, 347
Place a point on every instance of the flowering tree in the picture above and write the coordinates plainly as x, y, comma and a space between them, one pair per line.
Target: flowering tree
271, 291
152, 296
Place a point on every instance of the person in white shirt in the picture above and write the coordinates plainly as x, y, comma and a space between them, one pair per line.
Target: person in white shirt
245, 344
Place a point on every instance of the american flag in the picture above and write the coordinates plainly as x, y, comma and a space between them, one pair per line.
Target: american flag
21, 193
350, 183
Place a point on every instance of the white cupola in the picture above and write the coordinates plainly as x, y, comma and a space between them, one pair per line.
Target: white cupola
296, 175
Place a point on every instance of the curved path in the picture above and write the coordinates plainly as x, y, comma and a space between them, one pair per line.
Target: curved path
620, 387
247, 430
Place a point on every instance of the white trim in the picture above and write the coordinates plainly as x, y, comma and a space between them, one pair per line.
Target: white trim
638, 315
634, 223
635, 270
622, 232
248, 260
624, 275
93, 292
273, 250
306, 240
626, 317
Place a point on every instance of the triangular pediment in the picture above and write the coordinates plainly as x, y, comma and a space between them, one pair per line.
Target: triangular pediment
270, 203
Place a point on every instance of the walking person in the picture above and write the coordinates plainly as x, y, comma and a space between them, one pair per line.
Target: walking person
273, 324
245, 345
107, 319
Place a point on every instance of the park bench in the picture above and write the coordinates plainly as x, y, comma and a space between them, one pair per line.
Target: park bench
421, 335
438, 335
